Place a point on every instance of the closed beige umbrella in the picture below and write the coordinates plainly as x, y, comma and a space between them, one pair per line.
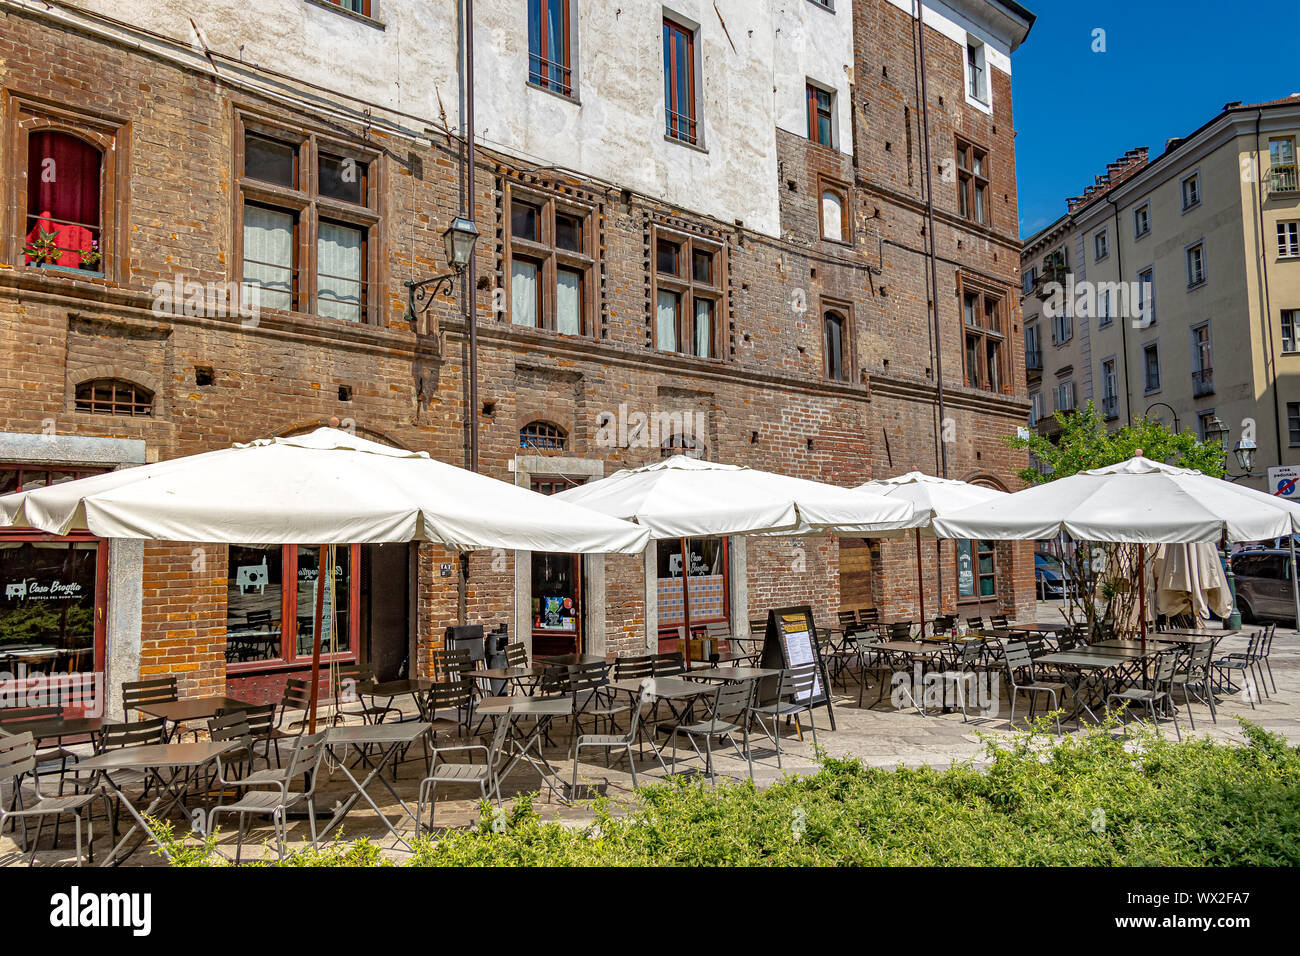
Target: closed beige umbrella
1189, 579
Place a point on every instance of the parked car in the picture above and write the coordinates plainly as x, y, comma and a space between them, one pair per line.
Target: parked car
1263, 580
1049, 577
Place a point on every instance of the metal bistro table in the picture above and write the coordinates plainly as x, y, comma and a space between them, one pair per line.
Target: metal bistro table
521, 678
393, 689
911, 651
177, 712
544, 710
1097, 670
387, 738
174, 768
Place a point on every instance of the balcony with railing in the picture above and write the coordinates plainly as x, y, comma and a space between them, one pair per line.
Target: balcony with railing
1202, 382
1110, 407
1284, 178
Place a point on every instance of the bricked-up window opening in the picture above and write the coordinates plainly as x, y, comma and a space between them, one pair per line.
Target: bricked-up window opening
834, 217
542, 436
706, 581
550, 64
64, 191
551, 264
984, 330
111, 396
976, 570
834, 344
688, 295
268, 585
680, 82
821, 123
307, 223
972, 182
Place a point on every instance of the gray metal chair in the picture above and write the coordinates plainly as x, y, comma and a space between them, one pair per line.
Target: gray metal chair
279, 795
1158, 698
1194, 679
794, 691
634, 668
1019, 665
592, 697
485, 776
610, 742
729, 712
1257, 658
969, 663
154, 690
17, 760
352, 686
1241, 663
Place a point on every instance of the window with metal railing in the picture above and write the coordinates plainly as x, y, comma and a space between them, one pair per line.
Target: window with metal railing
680, 83
1283, 174
550, 61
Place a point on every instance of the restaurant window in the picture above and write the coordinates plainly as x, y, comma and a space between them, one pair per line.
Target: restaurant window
984, 334
308, 221
64, 223
550, 64
697, 586
112, 396
542, 436
53, 598
688, 295
821, 115
269, 585
976, 570
835, 331
972, 182
556, 588
680, 83
551, 264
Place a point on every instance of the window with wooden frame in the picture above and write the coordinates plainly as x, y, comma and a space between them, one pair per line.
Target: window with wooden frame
680, 82
821, 115
688, 296
836, 350
834, 214
65, 211
972, 182
112, 396
984, 336
542, 436
550, 267
308, 222
550, 46
360, 7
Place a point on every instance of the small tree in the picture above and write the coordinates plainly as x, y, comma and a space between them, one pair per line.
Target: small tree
1100, 582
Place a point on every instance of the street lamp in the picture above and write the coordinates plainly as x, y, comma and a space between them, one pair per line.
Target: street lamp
459, 239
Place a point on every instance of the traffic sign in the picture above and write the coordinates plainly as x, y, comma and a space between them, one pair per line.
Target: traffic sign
1284, 481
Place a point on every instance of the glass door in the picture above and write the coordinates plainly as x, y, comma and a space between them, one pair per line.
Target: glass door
556, 590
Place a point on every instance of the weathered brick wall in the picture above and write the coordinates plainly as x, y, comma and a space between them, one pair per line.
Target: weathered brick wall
766, 402
183, 631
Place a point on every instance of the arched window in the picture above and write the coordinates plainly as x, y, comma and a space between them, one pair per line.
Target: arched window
543, 436
833, 341
63, 202
113, 396
679, 444
835, 222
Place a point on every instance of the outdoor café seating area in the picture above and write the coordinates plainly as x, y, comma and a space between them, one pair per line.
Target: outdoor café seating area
399, 759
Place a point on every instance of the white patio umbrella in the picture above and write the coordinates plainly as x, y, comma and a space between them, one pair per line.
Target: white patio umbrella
930, 497
1138, 501
326, 487
684, 497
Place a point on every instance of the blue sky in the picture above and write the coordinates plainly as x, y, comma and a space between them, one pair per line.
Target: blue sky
1168, 67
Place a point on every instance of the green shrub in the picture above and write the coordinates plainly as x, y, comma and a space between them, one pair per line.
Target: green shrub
1089, 800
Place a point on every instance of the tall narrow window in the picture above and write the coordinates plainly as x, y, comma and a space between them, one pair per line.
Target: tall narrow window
985, 336
1146, 304
1100, 245
836, 218
1202, 362
688, 295
1291, 330
976, 69
1141, 220
1288, 239
1109, 390
1191, 191
972, 182
64, 185
821, 116
1282, 173
550, 264
679, 82
549, 48
1195, 264
1151, 367
834, 332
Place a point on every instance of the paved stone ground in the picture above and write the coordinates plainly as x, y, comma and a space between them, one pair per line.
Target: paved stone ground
881, 736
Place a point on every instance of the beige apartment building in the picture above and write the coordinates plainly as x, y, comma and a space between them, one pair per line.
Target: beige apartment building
1170, 289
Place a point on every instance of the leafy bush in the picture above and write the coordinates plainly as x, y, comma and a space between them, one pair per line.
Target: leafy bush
1091, 800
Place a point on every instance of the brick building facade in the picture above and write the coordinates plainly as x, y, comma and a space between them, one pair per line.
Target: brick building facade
187, 135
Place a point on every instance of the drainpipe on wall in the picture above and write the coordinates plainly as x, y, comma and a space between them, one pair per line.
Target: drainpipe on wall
1123, 329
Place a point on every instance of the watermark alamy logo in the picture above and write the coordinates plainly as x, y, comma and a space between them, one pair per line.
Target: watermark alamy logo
75, 909
655, 429
185, 296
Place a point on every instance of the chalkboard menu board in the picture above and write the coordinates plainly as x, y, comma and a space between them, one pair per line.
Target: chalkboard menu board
791, 641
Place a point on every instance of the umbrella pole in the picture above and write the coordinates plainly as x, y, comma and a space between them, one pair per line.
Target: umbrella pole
315, 637
686, 600
1142, 601
1295, 586
920, 583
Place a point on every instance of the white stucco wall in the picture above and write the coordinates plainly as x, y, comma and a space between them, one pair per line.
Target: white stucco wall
812, 43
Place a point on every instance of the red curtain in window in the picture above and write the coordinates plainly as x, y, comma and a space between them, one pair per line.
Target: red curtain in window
63, 193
